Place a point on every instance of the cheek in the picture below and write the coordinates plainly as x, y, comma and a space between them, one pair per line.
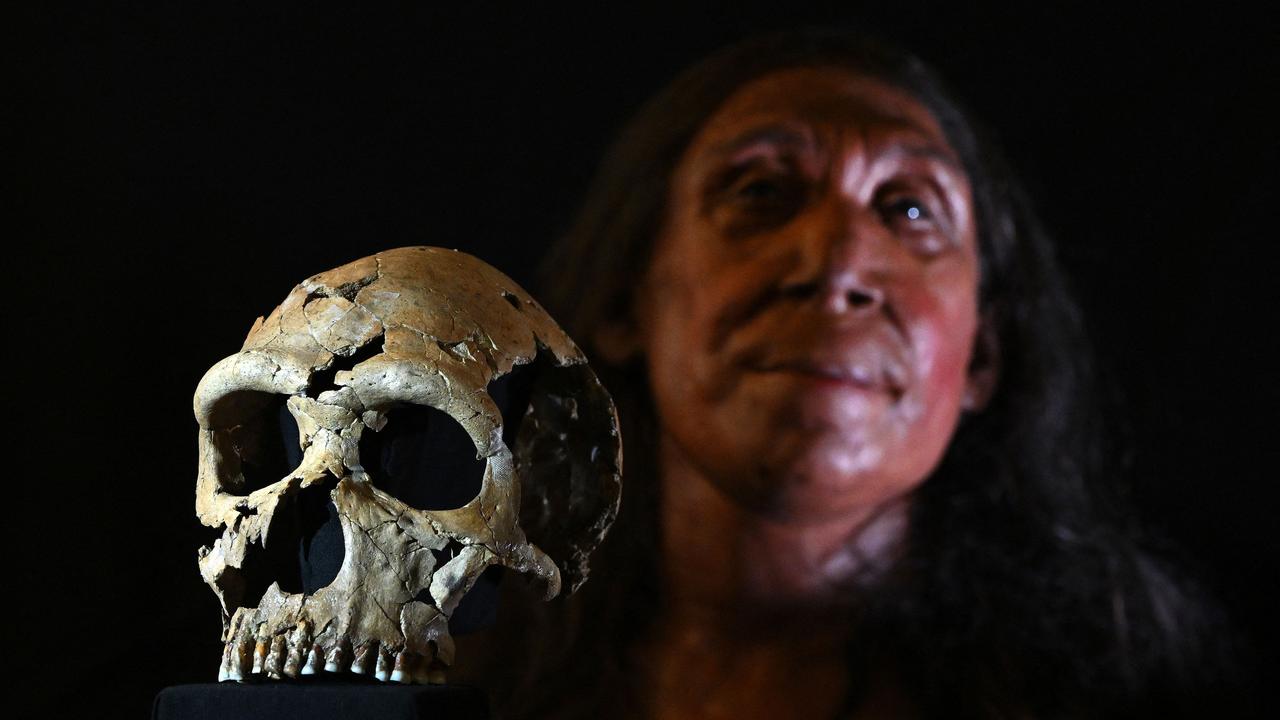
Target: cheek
943, 341
683, 340
674, 329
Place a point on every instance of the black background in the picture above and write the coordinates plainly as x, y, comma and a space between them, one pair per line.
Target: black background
179, 169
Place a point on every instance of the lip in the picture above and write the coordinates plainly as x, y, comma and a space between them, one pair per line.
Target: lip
867, 357
857, 376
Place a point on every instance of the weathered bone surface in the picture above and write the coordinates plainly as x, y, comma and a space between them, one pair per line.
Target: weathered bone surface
412, 326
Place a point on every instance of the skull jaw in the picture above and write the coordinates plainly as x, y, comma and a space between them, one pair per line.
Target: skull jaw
367, 621
290, 635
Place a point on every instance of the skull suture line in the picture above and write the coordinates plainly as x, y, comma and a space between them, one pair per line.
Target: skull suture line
408, 327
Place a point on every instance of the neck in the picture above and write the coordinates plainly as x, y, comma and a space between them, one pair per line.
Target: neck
753, 604
719, 555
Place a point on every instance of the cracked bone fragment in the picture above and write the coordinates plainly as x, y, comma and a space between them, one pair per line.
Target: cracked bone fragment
339, 356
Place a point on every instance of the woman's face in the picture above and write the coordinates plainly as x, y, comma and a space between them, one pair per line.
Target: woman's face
810, 311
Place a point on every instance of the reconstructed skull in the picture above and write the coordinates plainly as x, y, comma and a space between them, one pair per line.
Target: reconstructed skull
347, 353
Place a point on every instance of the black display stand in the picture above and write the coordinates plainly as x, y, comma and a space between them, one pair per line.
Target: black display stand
319, 701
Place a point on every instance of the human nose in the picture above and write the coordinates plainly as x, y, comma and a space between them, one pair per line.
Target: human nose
844, 261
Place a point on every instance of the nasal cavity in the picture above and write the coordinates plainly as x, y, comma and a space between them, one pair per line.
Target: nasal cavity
304, 549
857, 298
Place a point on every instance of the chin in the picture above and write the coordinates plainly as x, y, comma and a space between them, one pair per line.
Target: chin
831, 480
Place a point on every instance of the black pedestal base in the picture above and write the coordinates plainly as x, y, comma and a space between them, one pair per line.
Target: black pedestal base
317, 701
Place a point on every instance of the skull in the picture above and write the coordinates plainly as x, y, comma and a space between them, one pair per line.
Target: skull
408, 328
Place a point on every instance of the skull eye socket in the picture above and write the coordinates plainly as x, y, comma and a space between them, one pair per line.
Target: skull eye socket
257, 439
425, 459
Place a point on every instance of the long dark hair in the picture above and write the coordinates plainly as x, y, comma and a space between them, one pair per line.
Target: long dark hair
1026, 590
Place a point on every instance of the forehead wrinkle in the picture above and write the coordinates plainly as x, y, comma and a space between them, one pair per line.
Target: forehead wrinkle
851, 101
895, 137
877, 136
776, 134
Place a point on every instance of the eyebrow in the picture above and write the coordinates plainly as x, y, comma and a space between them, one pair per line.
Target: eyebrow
782, 136
787, 137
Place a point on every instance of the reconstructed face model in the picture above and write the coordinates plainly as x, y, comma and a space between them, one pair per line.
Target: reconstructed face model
811, 308
351, 355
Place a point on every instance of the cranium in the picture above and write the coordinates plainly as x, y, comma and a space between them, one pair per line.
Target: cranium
414, 327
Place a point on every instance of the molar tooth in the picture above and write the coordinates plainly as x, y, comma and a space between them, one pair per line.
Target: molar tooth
260, 650
366, 656
259, 658
299, 646
241, 660
293, 662
237, 664
339, 657
302, 633
403, 672
275, 658
385, 660
224, 668
421, 670
436, 674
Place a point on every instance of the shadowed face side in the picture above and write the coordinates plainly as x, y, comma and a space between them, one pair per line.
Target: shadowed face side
810, 312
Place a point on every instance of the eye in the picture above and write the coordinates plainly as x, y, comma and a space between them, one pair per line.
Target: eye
754, 196
906, 209
760, 189
763, 189
918, 218
763, 199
